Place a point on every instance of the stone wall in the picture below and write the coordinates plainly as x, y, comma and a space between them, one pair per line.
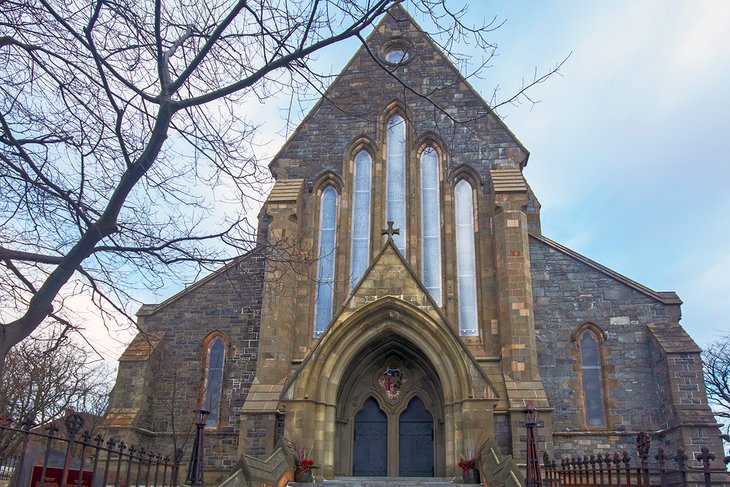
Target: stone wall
568, 294
502, 434
356, 105
687, 420
227, 302
652, 369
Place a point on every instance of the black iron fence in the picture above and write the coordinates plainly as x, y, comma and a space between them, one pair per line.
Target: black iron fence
620, 469
45, 458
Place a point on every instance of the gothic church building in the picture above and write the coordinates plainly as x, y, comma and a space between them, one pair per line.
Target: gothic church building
390, 348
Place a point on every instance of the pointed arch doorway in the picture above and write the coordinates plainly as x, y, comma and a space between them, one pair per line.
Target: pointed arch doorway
415, 441
389, 419
370, 441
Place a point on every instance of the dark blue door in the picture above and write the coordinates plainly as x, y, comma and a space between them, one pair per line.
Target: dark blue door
370, 457
416, 441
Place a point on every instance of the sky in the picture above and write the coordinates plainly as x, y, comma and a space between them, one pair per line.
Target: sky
629, 143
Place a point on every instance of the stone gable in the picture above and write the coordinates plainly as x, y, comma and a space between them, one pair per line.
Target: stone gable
388, 344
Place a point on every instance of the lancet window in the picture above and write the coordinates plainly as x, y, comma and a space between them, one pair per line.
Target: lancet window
213, 383
431, 223
396, 179
466, 259
360, 252
326, 260
591, 375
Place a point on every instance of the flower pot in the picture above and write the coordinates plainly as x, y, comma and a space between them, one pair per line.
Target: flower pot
304, 476
470, 476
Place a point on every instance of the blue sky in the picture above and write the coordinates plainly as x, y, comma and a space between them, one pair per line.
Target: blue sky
629, 144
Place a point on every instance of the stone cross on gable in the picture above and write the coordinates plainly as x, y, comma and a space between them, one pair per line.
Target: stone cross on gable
390, 231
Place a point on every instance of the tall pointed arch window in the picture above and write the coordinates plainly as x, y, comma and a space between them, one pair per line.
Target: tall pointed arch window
326, 261
466, 259
360, 252
215, 351
592, 380
395, 207
431, 223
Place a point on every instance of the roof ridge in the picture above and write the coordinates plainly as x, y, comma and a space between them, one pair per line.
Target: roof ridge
666, 297
152, 308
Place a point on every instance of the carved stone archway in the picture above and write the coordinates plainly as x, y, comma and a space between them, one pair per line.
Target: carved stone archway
389, 325
392, 371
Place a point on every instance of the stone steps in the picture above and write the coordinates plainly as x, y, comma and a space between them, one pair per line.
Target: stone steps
389, 482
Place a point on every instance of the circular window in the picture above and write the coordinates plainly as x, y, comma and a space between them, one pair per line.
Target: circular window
396, 55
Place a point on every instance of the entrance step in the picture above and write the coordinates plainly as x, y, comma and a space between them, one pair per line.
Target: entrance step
389, 482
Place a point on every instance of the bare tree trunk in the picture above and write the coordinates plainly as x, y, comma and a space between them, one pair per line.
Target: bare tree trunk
41, 304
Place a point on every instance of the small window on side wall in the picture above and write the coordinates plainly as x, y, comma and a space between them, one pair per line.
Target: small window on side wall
592, 379
213, 383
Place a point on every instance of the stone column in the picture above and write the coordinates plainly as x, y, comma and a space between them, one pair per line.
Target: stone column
278, 320
515, 304
477, 424
450, 440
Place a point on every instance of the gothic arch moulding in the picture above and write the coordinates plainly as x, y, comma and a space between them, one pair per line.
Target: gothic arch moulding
431, 139
362, 142
465, 171
397, 107
327, 178
322, 370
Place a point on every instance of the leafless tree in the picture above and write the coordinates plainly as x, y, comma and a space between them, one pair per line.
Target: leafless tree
44, 379
716, 361
122, 122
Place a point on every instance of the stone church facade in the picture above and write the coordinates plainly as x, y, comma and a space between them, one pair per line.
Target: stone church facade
391, 353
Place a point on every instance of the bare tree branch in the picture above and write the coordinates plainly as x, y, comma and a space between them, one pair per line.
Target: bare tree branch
716, 361
123, 125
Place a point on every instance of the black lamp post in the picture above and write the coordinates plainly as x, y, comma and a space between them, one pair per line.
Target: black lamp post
533, 476
195, 467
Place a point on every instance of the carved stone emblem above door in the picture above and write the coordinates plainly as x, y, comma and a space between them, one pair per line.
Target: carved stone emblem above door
391, 382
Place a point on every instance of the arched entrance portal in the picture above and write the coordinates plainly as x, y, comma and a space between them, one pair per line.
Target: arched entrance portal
389, 419
391, 351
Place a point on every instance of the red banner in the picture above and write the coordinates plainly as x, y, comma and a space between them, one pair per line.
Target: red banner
54, 477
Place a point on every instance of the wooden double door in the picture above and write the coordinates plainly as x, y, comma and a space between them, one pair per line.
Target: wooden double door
410, 436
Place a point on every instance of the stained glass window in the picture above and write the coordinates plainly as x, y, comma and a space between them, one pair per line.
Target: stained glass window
326, 262
213, 380
466, 259
396, 179
431, 223
360, 253
590, 355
